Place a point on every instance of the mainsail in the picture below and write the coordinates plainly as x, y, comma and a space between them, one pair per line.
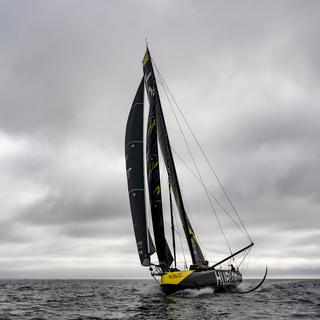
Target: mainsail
135, 175
156, 121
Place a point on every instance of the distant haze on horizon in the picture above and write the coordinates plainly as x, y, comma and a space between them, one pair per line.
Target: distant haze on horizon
245, 73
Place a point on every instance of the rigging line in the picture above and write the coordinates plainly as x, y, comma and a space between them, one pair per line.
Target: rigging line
197, 169
186, 203
201, 150
156, 280
173, 130
235, 262
242, 265
178, 232
214, 251
172, 226
245, 267
244, 256
217, 201
168, 224
180, 238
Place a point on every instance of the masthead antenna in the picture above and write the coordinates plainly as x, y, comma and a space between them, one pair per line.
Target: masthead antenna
146, 40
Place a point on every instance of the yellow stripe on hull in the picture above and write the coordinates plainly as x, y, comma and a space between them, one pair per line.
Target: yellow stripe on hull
175, 277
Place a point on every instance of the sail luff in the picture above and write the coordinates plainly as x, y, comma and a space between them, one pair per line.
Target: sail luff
152, 90
135, 174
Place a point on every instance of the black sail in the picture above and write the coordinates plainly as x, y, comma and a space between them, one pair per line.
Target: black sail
135, 174
153, 174
195, 251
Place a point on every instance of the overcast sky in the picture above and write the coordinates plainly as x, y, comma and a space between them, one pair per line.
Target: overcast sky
245, 73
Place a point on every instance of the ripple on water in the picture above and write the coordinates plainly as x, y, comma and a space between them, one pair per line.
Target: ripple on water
143, 299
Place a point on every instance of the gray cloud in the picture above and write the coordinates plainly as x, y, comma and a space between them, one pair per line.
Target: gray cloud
246, 76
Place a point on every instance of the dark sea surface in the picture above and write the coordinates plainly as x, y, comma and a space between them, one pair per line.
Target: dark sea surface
142, 299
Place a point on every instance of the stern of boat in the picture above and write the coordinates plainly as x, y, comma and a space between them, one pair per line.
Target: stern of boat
192, 279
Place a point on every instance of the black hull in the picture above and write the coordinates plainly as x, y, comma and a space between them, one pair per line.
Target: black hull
219, 280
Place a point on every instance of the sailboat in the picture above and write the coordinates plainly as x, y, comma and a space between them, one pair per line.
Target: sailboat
142, 154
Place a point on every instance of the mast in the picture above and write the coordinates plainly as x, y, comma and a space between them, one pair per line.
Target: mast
153, 95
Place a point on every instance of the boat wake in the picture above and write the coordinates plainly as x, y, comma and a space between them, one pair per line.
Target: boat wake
191, 293
151, 289
155, 290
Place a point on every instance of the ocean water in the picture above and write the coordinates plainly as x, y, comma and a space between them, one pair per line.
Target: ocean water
143, 299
